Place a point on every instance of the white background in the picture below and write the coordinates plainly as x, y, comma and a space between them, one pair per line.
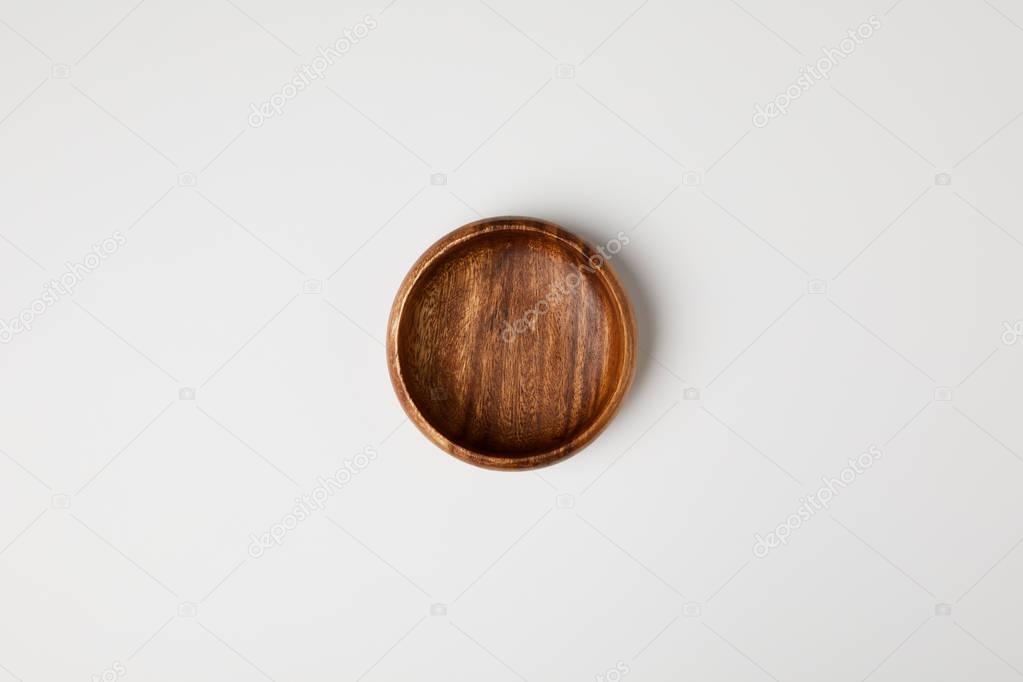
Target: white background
837, 279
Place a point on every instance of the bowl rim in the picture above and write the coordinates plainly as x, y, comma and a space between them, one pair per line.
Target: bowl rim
624, 314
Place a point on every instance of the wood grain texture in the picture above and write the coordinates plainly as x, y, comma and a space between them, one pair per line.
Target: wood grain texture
501, 398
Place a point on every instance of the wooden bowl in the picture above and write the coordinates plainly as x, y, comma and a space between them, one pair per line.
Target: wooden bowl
511, 342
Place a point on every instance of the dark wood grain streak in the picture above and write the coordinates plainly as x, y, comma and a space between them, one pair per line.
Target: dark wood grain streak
529, 399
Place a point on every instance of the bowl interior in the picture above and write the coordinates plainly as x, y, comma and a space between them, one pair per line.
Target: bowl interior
511, 344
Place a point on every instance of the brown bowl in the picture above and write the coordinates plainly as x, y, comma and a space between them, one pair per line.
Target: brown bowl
511, 343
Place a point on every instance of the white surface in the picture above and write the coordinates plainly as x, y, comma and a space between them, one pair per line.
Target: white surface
126, 512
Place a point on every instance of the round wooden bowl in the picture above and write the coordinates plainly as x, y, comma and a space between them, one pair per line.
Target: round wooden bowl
511, 342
